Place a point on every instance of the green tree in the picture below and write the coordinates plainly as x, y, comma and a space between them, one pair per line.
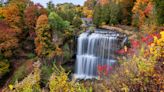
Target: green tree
90, 4
50, 6
97, 15
126, 10
57, 23
159, 5
77, 21
68, 11
115, 13
101, 14
105, 14
1, 4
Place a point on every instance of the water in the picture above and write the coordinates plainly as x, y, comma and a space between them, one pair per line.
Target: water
95, 49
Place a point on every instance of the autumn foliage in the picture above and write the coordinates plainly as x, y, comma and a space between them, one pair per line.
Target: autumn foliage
31, 15
142, 11
103, 2
8, 39
87, 12
43, 40
11, 14
103, 70
31, 31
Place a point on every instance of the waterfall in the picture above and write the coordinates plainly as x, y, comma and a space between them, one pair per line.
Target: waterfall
95, 49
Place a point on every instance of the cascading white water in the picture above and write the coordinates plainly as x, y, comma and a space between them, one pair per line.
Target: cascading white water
95, 49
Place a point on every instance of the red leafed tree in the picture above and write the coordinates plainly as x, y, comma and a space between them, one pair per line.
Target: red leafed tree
8, 39
31, 15
148, 9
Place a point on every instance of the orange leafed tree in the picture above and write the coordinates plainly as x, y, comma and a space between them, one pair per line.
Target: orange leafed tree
11, 14
44, 47
142, 10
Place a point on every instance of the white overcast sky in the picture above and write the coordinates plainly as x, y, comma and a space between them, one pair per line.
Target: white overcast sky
44, 2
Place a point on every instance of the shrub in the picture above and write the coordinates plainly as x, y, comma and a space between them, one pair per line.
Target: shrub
46, 72
29, 84
134, 75
59, 82
141, 73
4, 67
157, 46
22, 71
19, 74
31, 55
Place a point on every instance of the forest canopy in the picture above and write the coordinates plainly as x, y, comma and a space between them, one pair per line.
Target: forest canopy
39, 44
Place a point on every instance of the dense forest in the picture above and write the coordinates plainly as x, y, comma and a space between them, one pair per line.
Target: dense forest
38, 45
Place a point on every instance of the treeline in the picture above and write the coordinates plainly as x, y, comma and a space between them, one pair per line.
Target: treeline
127, 12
